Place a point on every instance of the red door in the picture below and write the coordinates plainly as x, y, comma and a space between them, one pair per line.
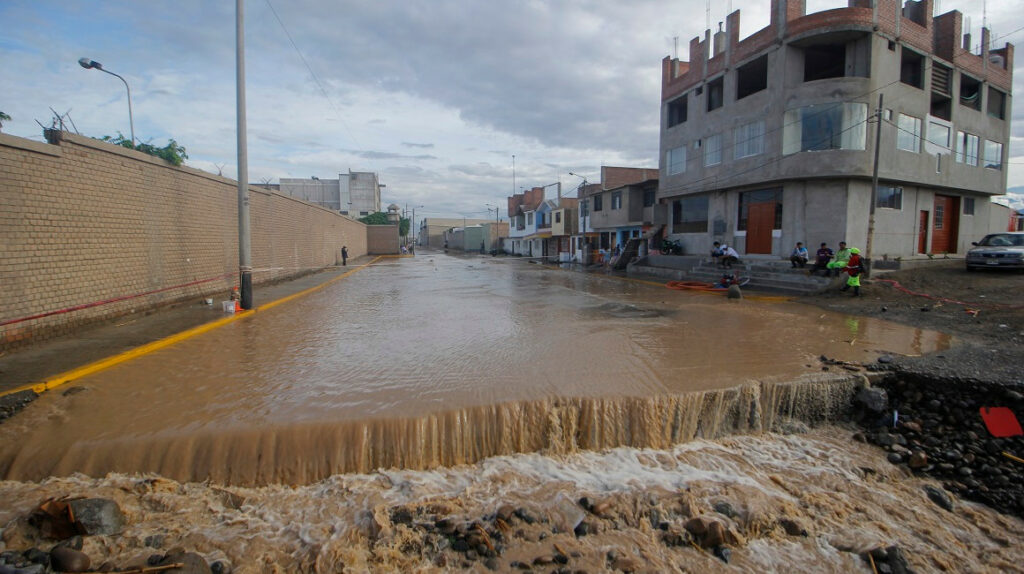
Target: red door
944, 226
760, 221
922, 233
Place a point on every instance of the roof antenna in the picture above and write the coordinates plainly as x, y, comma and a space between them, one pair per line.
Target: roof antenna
707, 15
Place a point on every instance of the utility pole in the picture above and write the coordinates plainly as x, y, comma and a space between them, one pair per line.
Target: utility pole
244, 238
874, 189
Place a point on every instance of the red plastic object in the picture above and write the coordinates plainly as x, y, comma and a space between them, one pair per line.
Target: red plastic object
1001, 421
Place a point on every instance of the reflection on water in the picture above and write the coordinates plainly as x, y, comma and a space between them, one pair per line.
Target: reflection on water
439, 360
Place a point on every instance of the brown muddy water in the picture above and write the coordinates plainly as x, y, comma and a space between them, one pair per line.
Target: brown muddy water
440, 387
436, 361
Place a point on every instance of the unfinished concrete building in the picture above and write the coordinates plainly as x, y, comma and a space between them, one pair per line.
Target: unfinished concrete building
771, 140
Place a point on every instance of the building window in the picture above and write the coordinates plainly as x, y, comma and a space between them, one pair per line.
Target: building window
908, 133
940, 216
968, 205
558, 217
749, 140
616, 200
752, 77
716, 93
993, 155
675, 159
598, 204
529, 219
762, 196
970, 92
912, 68
966, 148
713, 150
677, 109
996, 103
825, 127
650, 195
824, 61
889, 197
690, 215
938, 134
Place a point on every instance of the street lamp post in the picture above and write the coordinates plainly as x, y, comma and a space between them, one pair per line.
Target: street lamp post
94, 65
586, 212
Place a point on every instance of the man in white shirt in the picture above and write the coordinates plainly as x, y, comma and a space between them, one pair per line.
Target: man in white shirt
729, 256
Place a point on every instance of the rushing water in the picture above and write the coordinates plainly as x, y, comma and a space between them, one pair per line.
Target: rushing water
437, 360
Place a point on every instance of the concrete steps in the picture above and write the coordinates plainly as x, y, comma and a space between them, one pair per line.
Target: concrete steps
765, 275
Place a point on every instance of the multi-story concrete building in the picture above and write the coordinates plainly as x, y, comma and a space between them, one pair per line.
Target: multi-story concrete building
622, 206
355, 193
771, 140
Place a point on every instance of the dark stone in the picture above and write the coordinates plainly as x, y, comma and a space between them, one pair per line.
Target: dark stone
873, 399
885, 439
894, 458
918, 459
492, 563
792, 527
191, 562
505, 512
543, 560
525, 515
36, 556
74, 543
401, 516
582, 529
939, 497
725, 509
897, 562
460, 545
220, 567
885, 359
97, 516
723, 553
64, 559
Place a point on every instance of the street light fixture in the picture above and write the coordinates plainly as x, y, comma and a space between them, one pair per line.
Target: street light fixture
94, 65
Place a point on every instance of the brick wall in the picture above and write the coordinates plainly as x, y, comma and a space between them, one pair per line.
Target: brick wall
83, 222
382, 239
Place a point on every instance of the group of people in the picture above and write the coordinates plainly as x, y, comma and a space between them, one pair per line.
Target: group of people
846, 260
724, 255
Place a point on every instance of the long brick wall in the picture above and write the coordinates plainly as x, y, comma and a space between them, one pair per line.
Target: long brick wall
90, 231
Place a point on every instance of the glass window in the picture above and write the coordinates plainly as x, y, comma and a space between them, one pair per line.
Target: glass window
690, 215
716, 93
966, 148
749, 139
558, 217
938, 134
908, 133
968, 206
677, 110
598, 203
940, 215
889, 197
825, 127
996, 103
529, 219
760, 196
675, 160
713, 150
993, 155
616, 200
649, 196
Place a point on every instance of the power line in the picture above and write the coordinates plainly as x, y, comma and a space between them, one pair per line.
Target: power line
312, 73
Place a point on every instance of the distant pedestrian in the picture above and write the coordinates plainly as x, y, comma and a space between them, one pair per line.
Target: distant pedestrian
799, 256
344, 255
821, 259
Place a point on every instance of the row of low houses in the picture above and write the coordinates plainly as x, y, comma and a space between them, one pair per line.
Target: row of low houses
779, 138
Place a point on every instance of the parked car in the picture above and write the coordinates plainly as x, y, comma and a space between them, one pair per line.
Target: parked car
997, 250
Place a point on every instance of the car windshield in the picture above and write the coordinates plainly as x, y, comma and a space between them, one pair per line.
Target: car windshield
1003, 240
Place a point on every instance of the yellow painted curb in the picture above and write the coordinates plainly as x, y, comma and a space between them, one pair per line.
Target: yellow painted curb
102, 364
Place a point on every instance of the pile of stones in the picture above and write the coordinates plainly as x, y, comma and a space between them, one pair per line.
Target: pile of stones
934, 428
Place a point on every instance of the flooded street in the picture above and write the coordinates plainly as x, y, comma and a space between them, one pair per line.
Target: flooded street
567, 416
438, 360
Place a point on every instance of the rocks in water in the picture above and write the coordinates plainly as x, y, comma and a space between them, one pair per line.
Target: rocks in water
792, 527
191, 563
65, 559
97, 516
710, 533
734, 292
918, 459
873, 399
939, 497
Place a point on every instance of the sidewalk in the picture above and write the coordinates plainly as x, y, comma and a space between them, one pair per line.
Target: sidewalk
45, 359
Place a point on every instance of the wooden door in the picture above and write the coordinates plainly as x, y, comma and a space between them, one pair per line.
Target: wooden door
944, 224
922, 233
760, 221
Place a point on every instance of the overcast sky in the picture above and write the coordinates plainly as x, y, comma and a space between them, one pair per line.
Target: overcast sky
436, 96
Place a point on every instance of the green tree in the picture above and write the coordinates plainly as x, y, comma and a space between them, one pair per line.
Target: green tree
4, 118
172, 152
379, 218
403, 226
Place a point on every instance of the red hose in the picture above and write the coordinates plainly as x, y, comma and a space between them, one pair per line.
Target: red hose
114, 300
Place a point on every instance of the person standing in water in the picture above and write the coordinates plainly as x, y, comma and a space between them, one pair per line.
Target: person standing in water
344, 255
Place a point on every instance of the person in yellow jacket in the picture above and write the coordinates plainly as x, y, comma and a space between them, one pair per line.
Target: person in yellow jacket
854, 267
842, 256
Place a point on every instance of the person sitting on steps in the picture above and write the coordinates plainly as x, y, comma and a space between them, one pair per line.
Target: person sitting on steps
799, 256
729, 256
